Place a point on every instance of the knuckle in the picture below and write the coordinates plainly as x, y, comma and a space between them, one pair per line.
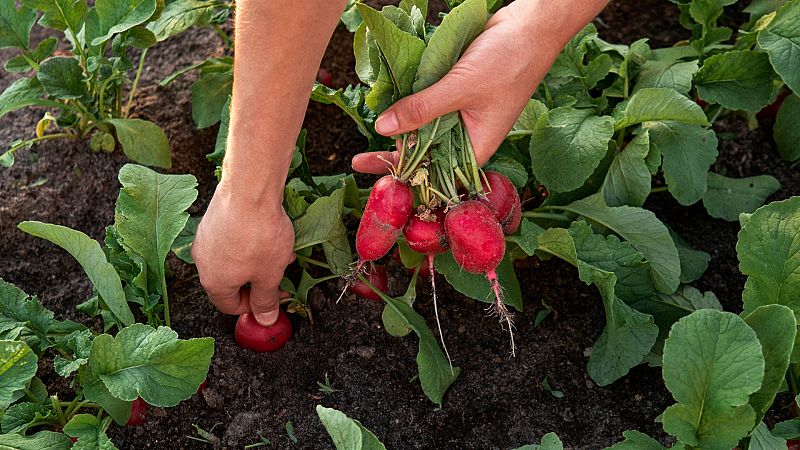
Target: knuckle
417, 110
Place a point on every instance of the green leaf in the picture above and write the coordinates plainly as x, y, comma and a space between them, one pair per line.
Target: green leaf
781, 41
401, 50
526, 122
60, 15
150, 213
90, 256
477, 286
116, 16
712, 364
18, 364
786, 132
21, 93
762, 439
142, 361
509, 167
347, 433
209, 96
182, 246
457, 30
221, 144
142, 141
570, 62
21, 416
628, 335
635, 440
788, 429
672, 74
43, 440
739, 79
769, 254
688, 152
435, 373
628, 179
668, 309
726, 198
15, 25
322, 224
641, 229
567, 145
90, 433
180, 15
351, 102
350, 18
528, 237
693, 262
43, 50
658, 104
550, 441
62, 78
776, 328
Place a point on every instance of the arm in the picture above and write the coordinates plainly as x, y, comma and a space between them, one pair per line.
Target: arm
494, 79
245, 236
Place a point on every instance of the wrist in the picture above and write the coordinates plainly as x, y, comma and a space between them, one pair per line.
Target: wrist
549, 24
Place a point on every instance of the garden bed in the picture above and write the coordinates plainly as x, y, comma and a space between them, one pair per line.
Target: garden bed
497, 402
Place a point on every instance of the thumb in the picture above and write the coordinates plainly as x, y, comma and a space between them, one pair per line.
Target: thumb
412, 112
264, 301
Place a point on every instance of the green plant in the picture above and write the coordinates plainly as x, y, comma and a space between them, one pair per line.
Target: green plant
86, 84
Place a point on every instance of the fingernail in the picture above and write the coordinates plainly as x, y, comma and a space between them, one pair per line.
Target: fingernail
387, 123
267, 318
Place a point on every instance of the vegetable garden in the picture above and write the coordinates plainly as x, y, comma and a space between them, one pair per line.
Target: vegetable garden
623, 273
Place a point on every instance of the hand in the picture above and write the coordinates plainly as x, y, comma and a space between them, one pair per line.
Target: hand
490, 84
240, 242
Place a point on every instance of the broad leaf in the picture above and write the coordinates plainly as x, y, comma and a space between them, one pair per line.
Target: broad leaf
739, 79
762, 439
769, 254
781, 40
726, 198
666, 74
209, 96
658, 104
509, 167
635, 440
786, 132
90, 256
712, 364
628, 179
477, 286
43, 440
60, 15
688, 151
351, 101
347, 433
89, 432
567, 145
693, 262
668, 309
18, 364
457, 30
43, 50
150, 213
143, 141
182, 246
141, 361
526, 122
178, 16
116, 16
21, 93
15, 25
62, 78
21, 416
322, 224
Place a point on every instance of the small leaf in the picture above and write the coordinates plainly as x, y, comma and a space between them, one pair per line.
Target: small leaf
142, 141
21, 416
652, 104
762, 439
628, 179
15, 25
674, 74
347, 433
43, 440
89, 432
60, 15
726, 198
62, 78
116, 16
509, 167
18, 364
178, 16
209, 96
635, 440
21, 93
477, 286
738, 79
322, 224
550, 441
182, 246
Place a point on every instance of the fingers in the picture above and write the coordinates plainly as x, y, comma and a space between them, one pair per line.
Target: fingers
264, 300
375, 163
414, 111
230, 300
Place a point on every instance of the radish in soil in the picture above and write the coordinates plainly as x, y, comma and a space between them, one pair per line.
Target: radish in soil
478, 245
138, 412
253, 336
377, 278
503, 199
325, 77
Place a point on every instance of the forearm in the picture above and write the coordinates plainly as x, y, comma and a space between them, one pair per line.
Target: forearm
556, 20
278, 51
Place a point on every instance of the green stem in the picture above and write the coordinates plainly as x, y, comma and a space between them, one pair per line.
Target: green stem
166, 301
402, 157
135, 84
519, 133
407, 172
29, 60
313, 261
101, 94
549, 216
473, 163
659, 189
225, 38
57, 407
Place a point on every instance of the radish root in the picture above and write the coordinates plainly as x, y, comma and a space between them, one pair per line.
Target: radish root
436, 310
498, 308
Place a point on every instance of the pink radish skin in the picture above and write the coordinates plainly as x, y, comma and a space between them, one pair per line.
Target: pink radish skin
478, 245
388, 208
138, 413
377, 278
253, 336
428, 238
503, 199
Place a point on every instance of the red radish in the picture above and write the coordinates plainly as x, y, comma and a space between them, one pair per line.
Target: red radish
793, 444
503, 199
700, 102
387, 211
771, 110
202, 387
478, 245
325, 77
73, 439
138, 412
377, 277
253, 336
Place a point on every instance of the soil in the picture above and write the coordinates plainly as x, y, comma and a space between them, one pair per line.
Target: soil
497, 402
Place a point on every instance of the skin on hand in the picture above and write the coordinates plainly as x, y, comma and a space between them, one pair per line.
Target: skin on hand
246, 240
493, 80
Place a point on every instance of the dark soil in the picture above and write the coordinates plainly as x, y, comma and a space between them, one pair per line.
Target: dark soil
497, 402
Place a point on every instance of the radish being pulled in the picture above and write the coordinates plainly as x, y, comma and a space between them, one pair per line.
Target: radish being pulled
253, 336
478, 245
389, 205
503, 199
377, 278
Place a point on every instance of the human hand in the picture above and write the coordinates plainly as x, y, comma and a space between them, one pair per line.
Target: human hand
490, 84
240, 242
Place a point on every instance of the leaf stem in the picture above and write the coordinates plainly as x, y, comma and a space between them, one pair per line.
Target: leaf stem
550, 216
313, 261
127, 109
659, 189
166, 300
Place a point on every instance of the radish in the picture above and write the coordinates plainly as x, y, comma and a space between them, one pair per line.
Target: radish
377, 278
387, 211
476, 239
138, 412
253, 336
503, 199
202, 387
771, 110
325, 77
